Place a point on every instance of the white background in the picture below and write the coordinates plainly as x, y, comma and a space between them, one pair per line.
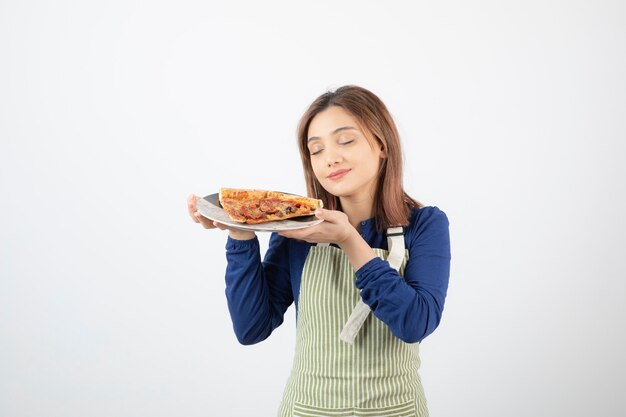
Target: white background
512, 117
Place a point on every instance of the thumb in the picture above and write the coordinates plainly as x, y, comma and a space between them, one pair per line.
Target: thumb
327, 215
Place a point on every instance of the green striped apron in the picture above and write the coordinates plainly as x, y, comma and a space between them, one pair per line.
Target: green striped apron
376, 375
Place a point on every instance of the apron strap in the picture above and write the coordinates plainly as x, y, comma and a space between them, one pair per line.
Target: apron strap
395, 256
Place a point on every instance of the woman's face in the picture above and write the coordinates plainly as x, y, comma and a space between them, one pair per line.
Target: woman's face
343, 160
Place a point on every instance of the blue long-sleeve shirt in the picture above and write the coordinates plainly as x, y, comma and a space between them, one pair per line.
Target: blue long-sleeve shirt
259, 292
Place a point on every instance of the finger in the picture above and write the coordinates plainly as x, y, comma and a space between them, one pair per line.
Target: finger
291, 234
206, 223
191, 205
220, 226
299, 234
287, 235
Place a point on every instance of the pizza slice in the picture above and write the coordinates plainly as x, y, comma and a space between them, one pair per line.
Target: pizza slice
258, 206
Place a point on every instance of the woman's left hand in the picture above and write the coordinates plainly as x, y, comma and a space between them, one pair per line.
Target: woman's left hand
334, 229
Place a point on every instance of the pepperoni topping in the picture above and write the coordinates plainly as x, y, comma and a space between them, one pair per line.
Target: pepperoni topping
269, 206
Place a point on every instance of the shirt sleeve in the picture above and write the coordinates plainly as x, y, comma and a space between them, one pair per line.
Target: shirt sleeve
258, 293
412, 305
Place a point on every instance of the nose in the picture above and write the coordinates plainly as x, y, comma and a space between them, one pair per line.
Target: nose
332, 156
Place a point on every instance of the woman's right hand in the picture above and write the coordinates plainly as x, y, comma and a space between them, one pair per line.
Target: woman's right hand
210, 224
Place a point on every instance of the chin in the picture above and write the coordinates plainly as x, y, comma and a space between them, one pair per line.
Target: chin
340, 190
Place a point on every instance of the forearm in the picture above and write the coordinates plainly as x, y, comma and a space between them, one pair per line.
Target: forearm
411, 313
357, 250
256, 307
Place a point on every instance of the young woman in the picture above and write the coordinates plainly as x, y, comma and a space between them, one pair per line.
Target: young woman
377, 250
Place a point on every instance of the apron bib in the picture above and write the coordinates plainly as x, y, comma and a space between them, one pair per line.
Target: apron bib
376, 375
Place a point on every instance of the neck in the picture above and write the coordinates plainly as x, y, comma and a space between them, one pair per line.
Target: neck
357, 210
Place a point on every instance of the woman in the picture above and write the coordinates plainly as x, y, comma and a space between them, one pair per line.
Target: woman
347, 362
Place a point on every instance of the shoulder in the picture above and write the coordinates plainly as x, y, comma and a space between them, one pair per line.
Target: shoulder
427, 214
427, 220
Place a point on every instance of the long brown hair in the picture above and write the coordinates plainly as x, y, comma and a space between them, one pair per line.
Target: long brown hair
392, 205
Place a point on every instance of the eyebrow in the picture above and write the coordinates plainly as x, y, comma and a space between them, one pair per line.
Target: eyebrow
334, 132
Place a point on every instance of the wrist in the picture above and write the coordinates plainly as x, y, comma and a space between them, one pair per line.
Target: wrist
357, 249
241, 234
352, 237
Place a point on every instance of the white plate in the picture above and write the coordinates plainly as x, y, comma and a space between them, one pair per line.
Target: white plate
210, 208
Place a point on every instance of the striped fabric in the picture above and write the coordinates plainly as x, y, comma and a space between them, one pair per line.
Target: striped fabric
408, 409
375, 376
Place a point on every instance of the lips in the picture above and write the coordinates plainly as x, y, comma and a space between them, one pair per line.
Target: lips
335, 175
